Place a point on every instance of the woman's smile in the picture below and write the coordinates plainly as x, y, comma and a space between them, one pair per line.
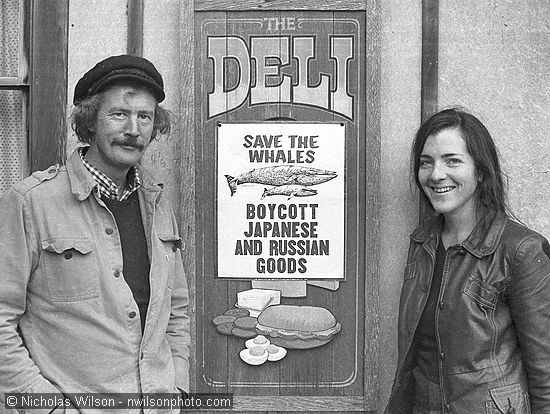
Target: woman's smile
448, 174
442, 190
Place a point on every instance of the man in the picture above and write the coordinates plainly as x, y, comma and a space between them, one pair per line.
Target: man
93, 296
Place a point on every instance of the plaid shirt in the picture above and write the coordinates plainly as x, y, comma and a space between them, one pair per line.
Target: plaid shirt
105, 185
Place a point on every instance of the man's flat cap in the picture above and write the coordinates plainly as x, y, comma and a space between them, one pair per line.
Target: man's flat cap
119, 68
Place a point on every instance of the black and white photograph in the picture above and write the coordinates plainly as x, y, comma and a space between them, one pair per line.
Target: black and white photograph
272, 206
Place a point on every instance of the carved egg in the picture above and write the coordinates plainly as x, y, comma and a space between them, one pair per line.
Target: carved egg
259, 340
275, 353
254, 356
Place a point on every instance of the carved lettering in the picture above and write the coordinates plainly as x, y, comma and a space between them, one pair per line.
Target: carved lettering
260, 79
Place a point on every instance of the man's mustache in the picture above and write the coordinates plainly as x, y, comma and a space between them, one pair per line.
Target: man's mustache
130, 143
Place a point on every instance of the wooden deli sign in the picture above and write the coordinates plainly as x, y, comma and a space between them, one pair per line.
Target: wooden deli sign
284, 60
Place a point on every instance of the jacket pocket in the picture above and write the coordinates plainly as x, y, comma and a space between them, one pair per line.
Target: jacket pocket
71, 271
172, 243
481, 292
510, 399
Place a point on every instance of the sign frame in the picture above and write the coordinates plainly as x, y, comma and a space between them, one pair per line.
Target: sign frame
368, 213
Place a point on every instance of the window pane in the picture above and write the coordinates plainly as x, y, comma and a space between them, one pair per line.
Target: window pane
12, 138
10, 31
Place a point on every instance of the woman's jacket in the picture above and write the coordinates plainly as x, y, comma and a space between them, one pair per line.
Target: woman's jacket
492, 319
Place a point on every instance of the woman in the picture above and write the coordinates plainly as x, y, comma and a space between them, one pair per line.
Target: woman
474, 317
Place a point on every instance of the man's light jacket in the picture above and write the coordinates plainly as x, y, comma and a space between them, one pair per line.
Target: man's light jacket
68, 319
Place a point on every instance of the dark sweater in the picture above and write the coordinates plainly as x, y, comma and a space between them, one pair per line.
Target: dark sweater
134, 249
427, 353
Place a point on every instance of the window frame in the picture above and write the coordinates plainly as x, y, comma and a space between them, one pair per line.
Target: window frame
42, 77
47, 115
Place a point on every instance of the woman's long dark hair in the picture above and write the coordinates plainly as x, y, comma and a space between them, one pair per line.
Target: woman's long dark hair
491, 192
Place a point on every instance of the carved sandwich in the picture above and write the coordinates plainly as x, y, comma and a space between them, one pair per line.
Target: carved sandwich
297, 327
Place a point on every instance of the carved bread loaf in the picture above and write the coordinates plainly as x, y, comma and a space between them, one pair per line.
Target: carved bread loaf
298, 327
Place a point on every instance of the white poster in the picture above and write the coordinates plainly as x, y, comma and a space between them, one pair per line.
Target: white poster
281, 200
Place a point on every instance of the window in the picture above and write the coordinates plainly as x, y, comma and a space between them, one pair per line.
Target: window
14, 92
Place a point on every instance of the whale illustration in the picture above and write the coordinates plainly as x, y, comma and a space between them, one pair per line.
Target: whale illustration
281, 175
290, 191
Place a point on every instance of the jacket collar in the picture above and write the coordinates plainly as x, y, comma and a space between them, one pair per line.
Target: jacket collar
82, 182
482, 241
